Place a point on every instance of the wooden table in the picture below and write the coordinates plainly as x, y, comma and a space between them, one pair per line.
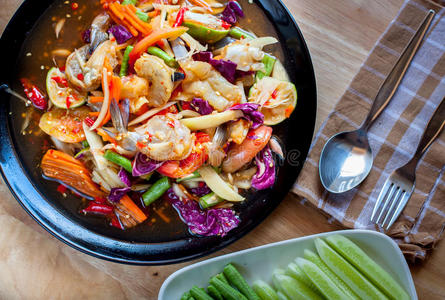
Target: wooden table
33, 264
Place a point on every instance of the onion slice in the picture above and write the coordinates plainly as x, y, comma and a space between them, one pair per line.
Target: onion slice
150, 113
213, 120
218, 185
106, 102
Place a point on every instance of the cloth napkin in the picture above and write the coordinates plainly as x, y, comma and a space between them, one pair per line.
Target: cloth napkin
394, 136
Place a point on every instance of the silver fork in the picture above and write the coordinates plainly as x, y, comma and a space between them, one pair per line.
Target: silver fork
400, 185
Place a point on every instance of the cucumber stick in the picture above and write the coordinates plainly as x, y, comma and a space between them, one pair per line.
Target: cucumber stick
353, 278
199, 294
295, 289
214, 293
282, 296
359, 259
293, 270
312, 257
237, 280
264, 291
226, 290
324, 284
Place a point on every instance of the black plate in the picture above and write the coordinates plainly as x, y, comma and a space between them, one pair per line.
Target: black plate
140, 246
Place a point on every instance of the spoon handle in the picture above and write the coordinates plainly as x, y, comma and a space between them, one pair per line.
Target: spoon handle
389, 86
432, 131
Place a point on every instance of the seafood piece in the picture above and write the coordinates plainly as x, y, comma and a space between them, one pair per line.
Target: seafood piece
134, 87
159, 77
165, 138
237, 130
99, 33
203, 81
246, 57
85, 72
276, 97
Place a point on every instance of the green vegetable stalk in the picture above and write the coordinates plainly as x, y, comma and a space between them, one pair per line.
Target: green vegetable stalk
269, 62
209, 200
119, 160
238, 33
156, 191
125, 59
170, 61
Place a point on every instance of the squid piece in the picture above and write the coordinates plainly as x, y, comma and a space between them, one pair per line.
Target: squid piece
203, 81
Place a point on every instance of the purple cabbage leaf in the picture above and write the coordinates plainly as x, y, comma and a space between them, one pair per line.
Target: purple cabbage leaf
142, 165
251, 113
265, 175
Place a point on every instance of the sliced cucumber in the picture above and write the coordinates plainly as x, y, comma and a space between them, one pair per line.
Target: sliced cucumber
60, 92
357, 257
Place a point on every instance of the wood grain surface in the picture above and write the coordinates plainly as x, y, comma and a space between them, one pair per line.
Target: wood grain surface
34, 265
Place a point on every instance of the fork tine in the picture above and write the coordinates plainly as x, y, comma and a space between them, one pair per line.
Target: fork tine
385, 203
395, 201
399, 209
380, 198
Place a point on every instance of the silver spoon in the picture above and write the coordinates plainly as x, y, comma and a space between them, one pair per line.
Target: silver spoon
346, 158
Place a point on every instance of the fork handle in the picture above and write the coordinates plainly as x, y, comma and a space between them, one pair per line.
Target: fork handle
432, 131
389, 86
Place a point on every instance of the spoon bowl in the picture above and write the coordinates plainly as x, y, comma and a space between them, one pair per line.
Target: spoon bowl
345, 161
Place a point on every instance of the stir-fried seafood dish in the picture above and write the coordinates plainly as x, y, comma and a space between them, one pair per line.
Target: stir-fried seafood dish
167, 100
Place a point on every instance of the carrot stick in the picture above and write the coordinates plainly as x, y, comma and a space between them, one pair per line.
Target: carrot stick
93, 113
130, 28
63, 167
137, 213
202, 3
135, 21
153, 13
116, 10
94, 99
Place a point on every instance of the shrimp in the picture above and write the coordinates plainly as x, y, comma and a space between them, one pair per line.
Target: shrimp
163, 138
159, 77
241, 154
246, 57
134, 87
86, 73
203, 81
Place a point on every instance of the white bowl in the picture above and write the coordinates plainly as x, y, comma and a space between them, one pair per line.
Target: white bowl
259, 263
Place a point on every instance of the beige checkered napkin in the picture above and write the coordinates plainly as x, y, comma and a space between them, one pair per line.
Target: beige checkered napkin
394, 136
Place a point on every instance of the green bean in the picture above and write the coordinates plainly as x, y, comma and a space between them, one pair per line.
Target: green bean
186, 296
209, 200
199, 294
269, 62
156, 191
119, 160
78, 154
143, 16
214, 292
238, 281
239, 33
125, 59
221, 277
85, 144
127, 2
170, 61
226, 290
190, 176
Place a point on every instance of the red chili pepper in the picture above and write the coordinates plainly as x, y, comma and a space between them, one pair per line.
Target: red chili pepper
96, 208
225, 25
74, 6
274, 94
68, 102
60, 80
61, 188
80, 77
100, 200
34, 94
180, 16
115, 223
186, 106
89, 121
202, 138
